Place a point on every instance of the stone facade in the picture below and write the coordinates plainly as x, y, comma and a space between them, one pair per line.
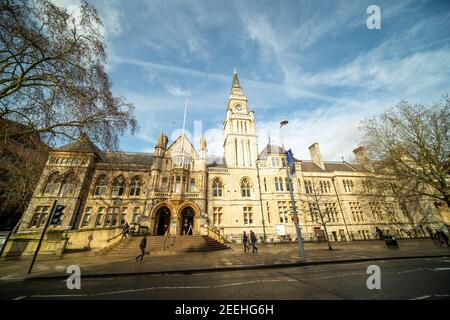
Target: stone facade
177, 190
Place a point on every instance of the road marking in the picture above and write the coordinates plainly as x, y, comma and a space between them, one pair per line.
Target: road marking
413, 270
422, 297
159, 288
20, 298
441, 269
431, 296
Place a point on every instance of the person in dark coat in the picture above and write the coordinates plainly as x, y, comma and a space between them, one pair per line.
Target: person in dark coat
142, 246
443, 237
379, 233
125, 230
244, 241
253, 241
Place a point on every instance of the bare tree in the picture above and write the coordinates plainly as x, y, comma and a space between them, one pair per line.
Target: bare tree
21, 165
52, 75
411, 143
319, 199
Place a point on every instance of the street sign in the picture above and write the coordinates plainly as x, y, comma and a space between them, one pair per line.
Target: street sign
289, 157
290, 163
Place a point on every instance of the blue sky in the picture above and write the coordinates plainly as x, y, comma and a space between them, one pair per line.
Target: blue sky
313, 62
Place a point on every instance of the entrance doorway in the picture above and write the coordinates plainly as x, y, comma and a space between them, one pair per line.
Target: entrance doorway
187, 221
162, 221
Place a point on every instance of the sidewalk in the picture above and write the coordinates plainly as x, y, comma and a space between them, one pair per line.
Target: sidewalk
232, 259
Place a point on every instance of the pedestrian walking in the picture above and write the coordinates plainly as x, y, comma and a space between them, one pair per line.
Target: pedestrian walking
253, 241
430, 232
125, 230
379, 233
244, 241
142, 246
443, 236
189, 232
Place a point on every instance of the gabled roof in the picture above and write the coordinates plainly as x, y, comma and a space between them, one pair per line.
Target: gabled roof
83, 144
309, 166
129, 158
185, 140
216, 162
270, 149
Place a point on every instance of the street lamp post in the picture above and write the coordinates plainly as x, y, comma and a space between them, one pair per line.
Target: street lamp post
294, 209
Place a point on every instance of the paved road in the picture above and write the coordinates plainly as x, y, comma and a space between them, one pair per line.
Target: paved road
400, 279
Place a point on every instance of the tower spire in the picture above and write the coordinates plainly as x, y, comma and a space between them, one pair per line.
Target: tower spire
236, 85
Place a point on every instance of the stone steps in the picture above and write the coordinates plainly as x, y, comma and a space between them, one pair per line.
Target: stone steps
161, 244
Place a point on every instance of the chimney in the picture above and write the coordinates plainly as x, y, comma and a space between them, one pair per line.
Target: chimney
316, 157
361, 155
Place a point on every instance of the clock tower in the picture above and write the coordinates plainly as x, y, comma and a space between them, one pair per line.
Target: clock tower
239, 129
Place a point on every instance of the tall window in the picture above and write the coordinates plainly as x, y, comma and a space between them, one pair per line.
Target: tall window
248, 215
288, 185
313, 212
87, 217
101, 186
245, 188
164, 185
135, 189
99, 220
118, 187
331, 212
39, 216
283, 211
178, 184
192, 185
123, 216
355, 208
136, 214
111, 217
217, 216
268, 211
275, 162
217, 188
278, 184
348, 186
53, 183
325, 186
308, 187
376, 211
265, 184
67, 185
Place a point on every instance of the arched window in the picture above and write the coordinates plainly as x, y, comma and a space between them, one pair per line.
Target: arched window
217, 188
118, 187
245, 187
101, 186
288, 186
53, 183
277, 186
135, 189
67, 184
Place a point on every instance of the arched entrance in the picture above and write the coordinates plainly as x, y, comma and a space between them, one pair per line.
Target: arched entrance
187, 221
162, 221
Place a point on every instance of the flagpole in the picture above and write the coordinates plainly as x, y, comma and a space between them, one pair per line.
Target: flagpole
182, 134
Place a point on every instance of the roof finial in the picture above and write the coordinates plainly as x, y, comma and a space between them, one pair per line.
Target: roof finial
235, 70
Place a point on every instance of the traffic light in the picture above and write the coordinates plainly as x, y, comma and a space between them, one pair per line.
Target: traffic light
57, 215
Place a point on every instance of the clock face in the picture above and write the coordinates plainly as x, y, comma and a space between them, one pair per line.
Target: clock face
238, 108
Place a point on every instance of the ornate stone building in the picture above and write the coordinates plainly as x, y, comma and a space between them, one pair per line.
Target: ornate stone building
166, 192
